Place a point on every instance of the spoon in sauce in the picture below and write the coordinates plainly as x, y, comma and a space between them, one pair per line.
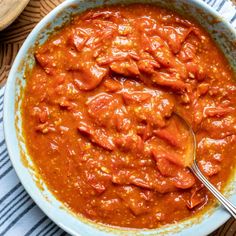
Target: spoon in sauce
191, 163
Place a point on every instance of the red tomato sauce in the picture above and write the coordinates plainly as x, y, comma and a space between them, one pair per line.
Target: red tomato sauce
98, 115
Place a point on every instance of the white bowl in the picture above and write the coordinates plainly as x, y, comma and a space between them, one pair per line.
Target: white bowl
220, 30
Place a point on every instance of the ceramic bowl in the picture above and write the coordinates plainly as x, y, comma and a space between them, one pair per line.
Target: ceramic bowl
221, 32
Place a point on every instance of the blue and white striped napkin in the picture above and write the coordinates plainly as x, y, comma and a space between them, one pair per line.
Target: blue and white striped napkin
18, 213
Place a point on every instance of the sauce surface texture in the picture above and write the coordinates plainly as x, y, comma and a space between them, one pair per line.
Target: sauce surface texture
98, 115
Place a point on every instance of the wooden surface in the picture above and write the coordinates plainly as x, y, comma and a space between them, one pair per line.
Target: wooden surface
10, 10
11, 40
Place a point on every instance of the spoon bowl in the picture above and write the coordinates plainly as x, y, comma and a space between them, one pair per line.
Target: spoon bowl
191, 163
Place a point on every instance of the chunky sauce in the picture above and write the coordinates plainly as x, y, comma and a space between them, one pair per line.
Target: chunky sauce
98, 115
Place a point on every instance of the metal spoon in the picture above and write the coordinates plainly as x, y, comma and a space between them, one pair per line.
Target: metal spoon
192, 164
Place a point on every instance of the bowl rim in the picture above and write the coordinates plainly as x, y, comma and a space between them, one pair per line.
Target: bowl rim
221, 216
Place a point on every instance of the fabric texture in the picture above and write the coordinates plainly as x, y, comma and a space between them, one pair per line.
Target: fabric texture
19, 215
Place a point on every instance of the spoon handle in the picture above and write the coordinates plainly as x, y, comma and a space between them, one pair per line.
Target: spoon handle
226, 203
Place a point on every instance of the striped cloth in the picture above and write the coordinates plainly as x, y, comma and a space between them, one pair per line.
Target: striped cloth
18, 213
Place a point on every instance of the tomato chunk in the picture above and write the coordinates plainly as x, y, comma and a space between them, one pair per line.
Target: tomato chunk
89, 76
97, 136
